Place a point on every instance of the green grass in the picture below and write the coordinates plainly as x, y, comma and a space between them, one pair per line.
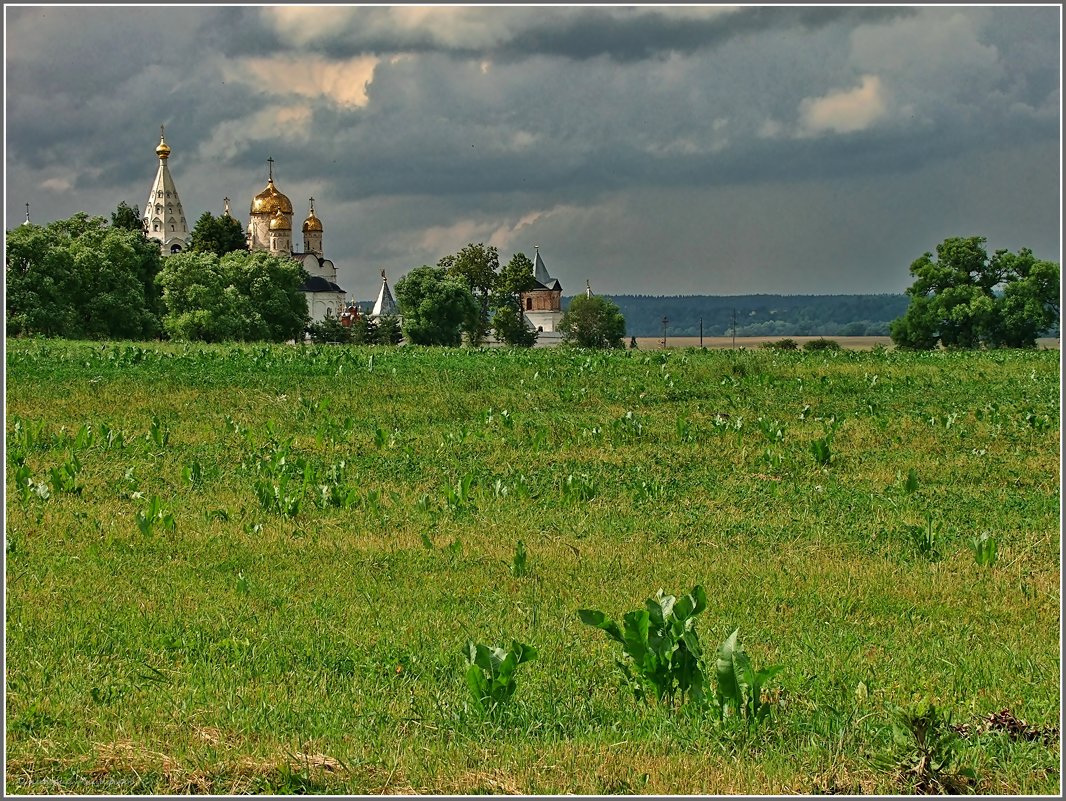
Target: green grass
256, 647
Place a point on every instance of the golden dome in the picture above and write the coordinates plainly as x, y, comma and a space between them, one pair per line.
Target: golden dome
279, 222
270, 200
162, 150
312, 223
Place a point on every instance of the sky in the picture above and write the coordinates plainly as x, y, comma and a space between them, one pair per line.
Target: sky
661, 150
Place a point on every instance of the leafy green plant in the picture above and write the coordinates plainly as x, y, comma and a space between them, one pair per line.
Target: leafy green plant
739, 686
822, 448
491, 672
275, 496
925, 752
159, 433
910, 485
662, 649
579, 488
64, 478
984, 547
821, 344
518, 562
925, 539
458, 497
154, 514
193, 473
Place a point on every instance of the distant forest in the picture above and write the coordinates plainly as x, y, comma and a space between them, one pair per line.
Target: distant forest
759, 315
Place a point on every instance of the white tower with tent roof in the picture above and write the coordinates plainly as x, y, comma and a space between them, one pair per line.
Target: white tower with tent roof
384, 306
163, 217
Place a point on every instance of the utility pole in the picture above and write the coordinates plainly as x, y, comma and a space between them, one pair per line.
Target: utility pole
665, 321
701, 332
734, 328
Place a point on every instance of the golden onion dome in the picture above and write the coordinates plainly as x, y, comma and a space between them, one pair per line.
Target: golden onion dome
279, 222
312, 223
270, 201
163, 151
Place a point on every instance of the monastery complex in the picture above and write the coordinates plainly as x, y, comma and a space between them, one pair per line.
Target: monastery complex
270, 228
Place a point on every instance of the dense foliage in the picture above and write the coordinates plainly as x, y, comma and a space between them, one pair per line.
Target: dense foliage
593, 322
967, 299
241, 296
497, 291
82, 278
219, 235
435, 307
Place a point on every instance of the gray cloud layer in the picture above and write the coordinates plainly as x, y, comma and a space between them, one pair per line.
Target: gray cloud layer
655, 149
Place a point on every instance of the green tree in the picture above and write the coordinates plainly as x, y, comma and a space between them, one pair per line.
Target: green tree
593, 322
387, 330
477, 267
508, 321
966, 299
435, 307
241, 296
329, 330
81, 278
125, 217
219, 235
364, 330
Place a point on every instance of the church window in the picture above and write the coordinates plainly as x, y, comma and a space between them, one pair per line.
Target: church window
155, 225
175, 248
168, 194
172, 226
159, 193
158, 209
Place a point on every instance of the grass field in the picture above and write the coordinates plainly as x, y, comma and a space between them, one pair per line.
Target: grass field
255, 569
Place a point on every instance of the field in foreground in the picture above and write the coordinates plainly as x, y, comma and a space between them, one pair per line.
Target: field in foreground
256, 567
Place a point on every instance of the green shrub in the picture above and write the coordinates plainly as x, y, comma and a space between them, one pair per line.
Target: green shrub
781, 344
663, 653
821, 344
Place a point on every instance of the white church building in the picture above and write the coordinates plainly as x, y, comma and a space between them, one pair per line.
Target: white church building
269, 229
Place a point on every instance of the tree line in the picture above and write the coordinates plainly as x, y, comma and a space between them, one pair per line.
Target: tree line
86, 277
761, 315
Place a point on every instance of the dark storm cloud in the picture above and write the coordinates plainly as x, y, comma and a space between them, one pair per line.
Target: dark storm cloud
621, 34
609, 134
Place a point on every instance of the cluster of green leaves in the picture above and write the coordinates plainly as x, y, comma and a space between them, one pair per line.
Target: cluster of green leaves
491, 672
240, 296
739, 686
154, 514
967, 299
497, 291
926, 751
593, 322
81, 278
663, 657
363, 330
219, 235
